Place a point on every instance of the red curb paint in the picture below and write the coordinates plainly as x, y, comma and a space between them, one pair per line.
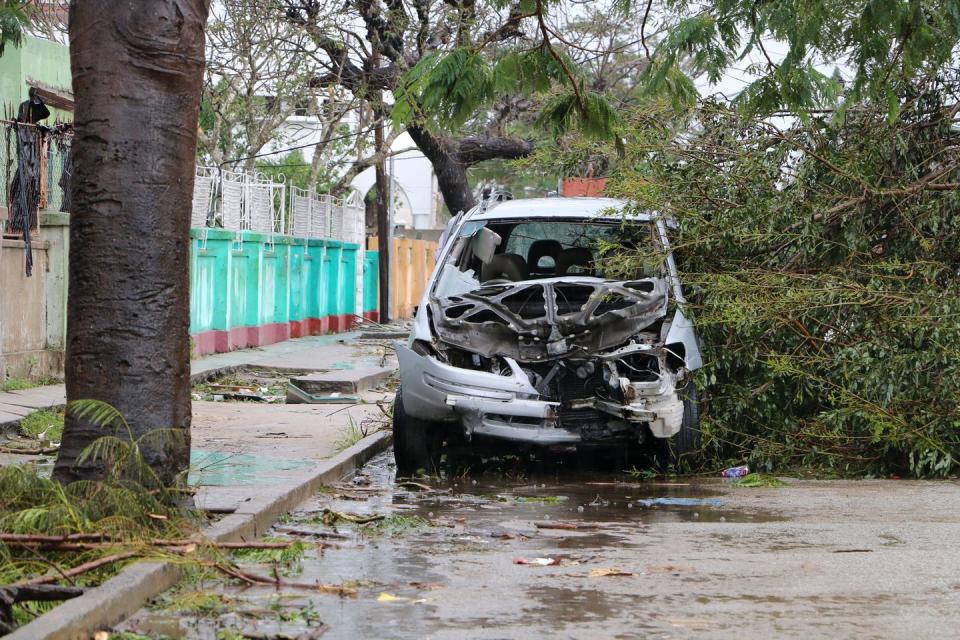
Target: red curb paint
220, 341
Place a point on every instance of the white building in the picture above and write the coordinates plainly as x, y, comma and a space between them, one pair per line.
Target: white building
416, 201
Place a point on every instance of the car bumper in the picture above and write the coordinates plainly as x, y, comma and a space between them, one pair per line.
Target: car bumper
508, 408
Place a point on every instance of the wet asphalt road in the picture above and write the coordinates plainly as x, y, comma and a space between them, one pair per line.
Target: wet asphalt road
632, 559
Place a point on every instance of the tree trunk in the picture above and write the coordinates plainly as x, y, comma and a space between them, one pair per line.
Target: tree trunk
137, 73
450, 171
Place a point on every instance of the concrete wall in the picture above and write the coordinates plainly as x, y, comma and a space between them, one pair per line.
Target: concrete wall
33, 310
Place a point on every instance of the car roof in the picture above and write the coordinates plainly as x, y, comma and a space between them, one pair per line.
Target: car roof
557, 208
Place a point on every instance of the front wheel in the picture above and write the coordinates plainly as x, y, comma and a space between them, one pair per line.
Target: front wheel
416, 443
686, 443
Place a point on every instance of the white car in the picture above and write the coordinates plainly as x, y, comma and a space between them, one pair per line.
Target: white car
521, 338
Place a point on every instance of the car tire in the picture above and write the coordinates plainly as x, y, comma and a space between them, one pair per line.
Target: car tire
686, 443
416, 443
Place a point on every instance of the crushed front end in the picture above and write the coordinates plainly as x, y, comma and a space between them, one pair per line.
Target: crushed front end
550, 361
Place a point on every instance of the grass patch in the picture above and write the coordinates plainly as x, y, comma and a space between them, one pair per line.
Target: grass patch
19, 384
753, 480
43, 425
348, 436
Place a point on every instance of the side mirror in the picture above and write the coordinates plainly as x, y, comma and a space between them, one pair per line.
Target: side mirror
485, 244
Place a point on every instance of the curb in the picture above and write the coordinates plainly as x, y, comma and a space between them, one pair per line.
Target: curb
122, 595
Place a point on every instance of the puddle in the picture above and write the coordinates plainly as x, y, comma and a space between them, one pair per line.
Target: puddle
217, 468
465, 553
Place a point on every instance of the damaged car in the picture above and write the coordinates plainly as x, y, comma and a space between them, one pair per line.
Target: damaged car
524, 338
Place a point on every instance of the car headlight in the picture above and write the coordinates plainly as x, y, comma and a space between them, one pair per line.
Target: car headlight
424, 348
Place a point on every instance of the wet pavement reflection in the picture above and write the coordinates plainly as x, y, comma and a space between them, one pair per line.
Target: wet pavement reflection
498, 555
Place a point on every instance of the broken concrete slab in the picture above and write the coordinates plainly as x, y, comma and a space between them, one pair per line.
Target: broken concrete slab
345, 381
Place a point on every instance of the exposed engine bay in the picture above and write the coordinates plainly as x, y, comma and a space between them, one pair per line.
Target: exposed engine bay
593, 348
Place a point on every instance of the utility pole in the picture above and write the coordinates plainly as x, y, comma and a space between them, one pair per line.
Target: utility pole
383, 225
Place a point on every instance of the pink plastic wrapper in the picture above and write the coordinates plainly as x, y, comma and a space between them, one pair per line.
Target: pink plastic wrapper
735, 472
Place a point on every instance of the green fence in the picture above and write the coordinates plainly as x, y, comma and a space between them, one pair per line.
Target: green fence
248, 289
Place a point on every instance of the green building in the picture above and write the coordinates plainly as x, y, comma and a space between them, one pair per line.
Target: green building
42, 64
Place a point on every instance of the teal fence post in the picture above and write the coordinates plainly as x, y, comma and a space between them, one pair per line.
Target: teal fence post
371, 285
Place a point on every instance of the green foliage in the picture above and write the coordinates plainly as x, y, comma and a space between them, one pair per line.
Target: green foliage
14, 18
820, 262
393, 525
589, 113
285, 556
45, 425
755, 480
123, 455
888, 44
445, 89
291, 168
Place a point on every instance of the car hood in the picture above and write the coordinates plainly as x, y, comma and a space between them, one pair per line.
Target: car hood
540, 320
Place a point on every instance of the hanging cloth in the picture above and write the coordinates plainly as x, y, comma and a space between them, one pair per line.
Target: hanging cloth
25, 189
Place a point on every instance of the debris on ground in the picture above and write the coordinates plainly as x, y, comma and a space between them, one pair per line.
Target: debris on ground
539, 562
735, 472
244, 386
606, 573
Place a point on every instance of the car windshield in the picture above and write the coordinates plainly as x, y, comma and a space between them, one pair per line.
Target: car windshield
537, 249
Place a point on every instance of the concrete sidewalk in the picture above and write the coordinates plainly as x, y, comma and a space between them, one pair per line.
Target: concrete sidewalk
249, 460
243, 449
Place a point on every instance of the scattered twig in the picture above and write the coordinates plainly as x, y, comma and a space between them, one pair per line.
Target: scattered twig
82, 568
276, 580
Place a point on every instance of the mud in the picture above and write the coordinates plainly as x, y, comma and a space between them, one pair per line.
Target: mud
605, 557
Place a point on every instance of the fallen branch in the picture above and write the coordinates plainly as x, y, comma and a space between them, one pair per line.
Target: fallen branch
97, 541
43, 451
255, 579
79, 569
312, 532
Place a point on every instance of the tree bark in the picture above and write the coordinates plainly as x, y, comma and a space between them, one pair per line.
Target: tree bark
450, 171
452, 158
137, 72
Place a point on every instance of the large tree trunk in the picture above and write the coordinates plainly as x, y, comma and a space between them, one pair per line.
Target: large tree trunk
452, 158
450, 171
137, 72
